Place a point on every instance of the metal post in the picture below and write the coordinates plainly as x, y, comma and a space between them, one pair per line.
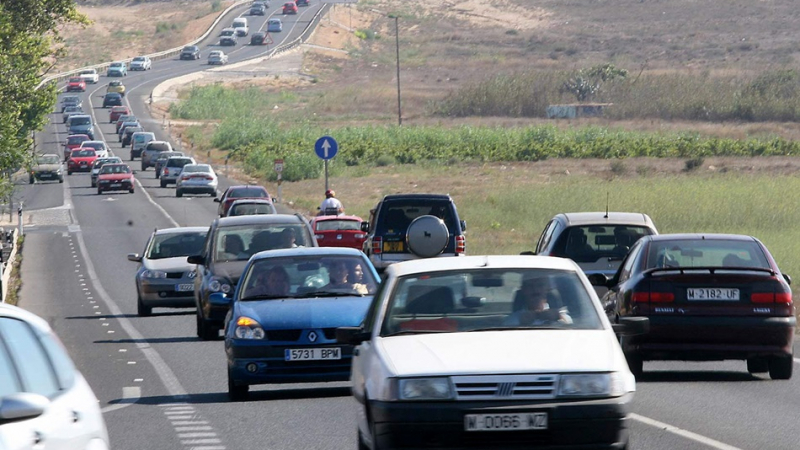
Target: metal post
397, 45
326, 174
280, 192
19, 218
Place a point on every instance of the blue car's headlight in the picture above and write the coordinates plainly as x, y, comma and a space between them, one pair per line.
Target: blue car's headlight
247, 328
149, 273
220, 285
590, 385
438, 388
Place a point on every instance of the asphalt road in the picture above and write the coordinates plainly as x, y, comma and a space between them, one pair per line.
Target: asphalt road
163, 388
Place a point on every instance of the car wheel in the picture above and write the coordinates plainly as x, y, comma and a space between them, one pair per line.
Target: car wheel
237, 393
99, 191
635, 364
141, 309
31, 180
205, 331
757, 365
157, 171
94, 184
131, 191
780, 367
61, 180
69, 172
361, 444
178, 193
163, 183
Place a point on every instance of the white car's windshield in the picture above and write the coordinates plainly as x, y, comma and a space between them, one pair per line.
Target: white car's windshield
489, 299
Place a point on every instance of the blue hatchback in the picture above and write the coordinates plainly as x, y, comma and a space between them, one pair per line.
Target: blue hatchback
282, 323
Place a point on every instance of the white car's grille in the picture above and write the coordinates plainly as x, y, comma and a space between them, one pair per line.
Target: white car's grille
505, 387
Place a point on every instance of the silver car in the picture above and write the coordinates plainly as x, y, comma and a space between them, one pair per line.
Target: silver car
196, 179
151, 151
165, 278
162, 158
249, 206
173, 168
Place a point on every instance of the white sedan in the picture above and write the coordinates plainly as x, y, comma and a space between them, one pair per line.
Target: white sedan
487, 352
217, 57
196, 179
42, 394
141, 63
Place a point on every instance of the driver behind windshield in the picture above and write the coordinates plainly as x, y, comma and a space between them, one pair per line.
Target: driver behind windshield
535, 309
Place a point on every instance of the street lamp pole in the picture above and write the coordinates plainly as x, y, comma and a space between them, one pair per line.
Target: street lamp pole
397, 45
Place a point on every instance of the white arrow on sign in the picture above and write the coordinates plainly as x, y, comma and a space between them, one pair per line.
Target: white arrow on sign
326, 146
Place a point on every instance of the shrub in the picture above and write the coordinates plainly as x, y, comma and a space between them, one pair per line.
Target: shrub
693, 164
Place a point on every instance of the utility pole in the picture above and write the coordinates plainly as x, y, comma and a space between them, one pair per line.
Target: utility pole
397, 45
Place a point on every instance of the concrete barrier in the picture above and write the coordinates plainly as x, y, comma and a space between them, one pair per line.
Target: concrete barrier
7, 266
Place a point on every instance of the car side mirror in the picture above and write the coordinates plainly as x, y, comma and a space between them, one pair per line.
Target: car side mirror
216, 200
365, 226
463, 226
598, 279
632, 326
473, 301
196, 259
22, 406
135, 257
133, 172
527, 253
787, 278
351, 335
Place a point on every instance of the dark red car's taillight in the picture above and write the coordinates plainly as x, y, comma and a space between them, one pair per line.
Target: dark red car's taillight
784, 298
652, 297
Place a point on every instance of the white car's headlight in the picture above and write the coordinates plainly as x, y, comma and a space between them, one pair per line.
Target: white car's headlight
591, 385
424, 389
153, 274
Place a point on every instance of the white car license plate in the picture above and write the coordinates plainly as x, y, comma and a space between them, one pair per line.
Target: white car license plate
313, 354
185, 287
505, 422
723, 294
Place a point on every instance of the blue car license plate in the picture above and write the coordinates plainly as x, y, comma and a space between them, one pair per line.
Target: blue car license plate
313, 354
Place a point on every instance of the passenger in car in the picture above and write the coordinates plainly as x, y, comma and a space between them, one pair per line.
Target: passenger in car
288, 238
338, 275
536, 310
233, 248
272, 282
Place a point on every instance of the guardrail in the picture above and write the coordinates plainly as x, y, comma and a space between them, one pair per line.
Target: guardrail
7, 262
154, 56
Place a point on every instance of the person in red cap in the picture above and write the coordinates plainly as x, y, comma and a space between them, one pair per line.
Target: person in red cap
331, 205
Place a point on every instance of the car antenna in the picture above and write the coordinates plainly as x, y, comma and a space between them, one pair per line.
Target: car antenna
606, 216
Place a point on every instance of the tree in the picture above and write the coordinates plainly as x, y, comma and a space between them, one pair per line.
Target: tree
29, 42
587, 83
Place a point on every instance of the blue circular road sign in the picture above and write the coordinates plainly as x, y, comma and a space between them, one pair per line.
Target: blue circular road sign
326, 147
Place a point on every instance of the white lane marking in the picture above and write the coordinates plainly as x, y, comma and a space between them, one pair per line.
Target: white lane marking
190, 422
196, 435
797, 360
158, 207
684, 433
201, 441
187, 429
130, 395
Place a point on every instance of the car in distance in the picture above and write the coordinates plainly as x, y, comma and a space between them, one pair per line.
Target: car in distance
116, 111
197, 179
161, 160
190, 52
43, 396
301, 2
81, 160
141, 63
250, 206
80, 124
112, 99
230, 243
234, 193
259, 38
70, 100
76, 84
240, 26
164, 279
338, 231
90, 76
46, 168
124, 125
117, 69
127, 135
116, 86
71, 110
99, 147
402, 227
281, 327
523, 356
173, 168
73, 142
257, 10
122, 119
99, 162
708, 297
274, 25
289, 8
139, 141
228, 37
217, 57
115, 177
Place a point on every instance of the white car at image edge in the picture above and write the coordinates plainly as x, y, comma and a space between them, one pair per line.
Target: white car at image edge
42, 395
444, 358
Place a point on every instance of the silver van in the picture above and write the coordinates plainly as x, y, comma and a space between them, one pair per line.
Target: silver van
151, 151
139, 141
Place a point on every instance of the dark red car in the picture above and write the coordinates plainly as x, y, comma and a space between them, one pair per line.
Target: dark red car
81, 160
289, 8
73, 142
117, 111
234, 193
708, 297
115, 177
339, 231
76, 84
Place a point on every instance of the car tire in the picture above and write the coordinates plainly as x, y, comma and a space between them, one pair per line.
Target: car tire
178, 193
94, 184
361, 444
69, 172
427, 236
757, 365
131, 191
163, 183
141, 309
31, 180
205, 331
61, 180
237, 393
780, 367
635, 364
99, 191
